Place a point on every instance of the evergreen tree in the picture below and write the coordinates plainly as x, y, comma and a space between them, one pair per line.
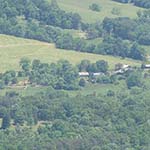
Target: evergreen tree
54, 4
82, 82
6, 121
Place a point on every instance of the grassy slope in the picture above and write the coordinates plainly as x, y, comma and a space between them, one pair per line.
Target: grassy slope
82, 7
12, 49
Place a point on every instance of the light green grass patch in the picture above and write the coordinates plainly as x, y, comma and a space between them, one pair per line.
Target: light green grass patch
95, 41
87, 90
82, 7
75, 33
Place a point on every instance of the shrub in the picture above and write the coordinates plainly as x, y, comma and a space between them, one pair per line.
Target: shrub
95, 7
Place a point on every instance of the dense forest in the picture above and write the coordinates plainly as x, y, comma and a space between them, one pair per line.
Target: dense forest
141, 3
119, 121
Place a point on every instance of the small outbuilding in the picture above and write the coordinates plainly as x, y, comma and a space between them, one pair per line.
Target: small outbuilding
84, 74
146, 66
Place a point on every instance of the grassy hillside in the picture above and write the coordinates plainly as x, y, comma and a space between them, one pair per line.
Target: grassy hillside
82, 7
12, 49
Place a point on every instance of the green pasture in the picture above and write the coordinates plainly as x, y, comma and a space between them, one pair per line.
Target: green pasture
12, 49
82, 7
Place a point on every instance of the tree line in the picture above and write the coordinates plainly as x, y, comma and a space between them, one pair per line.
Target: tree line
39, 10
126, 28
63, 75
140, 3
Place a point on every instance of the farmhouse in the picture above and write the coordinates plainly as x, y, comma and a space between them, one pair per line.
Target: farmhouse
121, 68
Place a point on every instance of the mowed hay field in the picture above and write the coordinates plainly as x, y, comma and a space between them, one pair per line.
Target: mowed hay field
82, 7
12, 49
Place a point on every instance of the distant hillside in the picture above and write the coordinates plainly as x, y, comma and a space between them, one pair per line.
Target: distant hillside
82, 7
49, 21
